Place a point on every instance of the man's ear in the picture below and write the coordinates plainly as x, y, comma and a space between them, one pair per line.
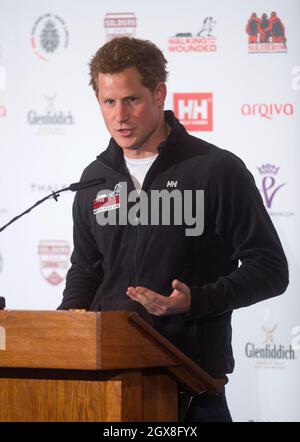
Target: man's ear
160, 93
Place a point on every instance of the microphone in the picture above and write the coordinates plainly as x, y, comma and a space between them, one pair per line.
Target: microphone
73, 187
84, 184
2, 303
134, 306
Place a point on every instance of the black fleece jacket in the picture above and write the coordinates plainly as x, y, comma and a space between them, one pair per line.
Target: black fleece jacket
108, 259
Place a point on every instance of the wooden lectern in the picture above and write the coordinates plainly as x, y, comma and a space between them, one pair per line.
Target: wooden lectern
91, 366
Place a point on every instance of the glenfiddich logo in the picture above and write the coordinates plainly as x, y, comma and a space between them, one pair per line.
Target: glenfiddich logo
269, 351
50, 120
54, 257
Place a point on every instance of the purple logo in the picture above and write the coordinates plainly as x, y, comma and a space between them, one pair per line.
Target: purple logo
269, 187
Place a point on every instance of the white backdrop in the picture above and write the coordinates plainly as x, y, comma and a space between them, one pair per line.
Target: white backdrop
240, 97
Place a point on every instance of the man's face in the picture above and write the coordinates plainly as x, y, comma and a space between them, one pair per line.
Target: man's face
132, 113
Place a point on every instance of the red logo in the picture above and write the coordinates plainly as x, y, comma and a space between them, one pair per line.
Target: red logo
266, 33
268, 111
54, 260
106, 202
119, 24
195, 111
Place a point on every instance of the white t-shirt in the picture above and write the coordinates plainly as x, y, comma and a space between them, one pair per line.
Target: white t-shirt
138, 169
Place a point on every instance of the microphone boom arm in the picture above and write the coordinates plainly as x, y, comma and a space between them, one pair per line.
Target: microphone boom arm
55, 195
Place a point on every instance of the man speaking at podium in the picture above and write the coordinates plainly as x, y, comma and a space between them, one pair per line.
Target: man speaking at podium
178, 225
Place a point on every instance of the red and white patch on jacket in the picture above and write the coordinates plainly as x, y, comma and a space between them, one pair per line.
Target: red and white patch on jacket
105, 202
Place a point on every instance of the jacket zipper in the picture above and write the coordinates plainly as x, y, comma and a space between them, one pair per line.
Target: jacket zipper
134, 270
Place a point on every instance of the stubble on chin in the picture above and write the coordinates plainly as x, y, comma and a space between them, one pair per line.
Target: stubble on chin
132, 148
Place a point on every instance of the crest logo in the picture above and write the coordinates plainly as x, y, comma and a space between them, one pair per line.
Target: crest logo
269, 185
270, 189
120, 24
49, 34
266, 34
195, 111
54, 260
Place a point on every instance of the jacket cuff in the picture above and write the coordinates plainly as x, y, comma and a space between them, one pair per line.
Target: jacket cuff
196, 301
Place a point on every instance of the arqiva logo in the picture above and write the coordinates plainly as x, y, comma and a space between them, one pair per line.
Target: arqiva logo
268, 110
194, 110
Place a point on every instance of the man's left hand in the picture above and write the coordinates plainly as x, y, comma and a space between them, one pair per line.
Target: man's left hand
178, 302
